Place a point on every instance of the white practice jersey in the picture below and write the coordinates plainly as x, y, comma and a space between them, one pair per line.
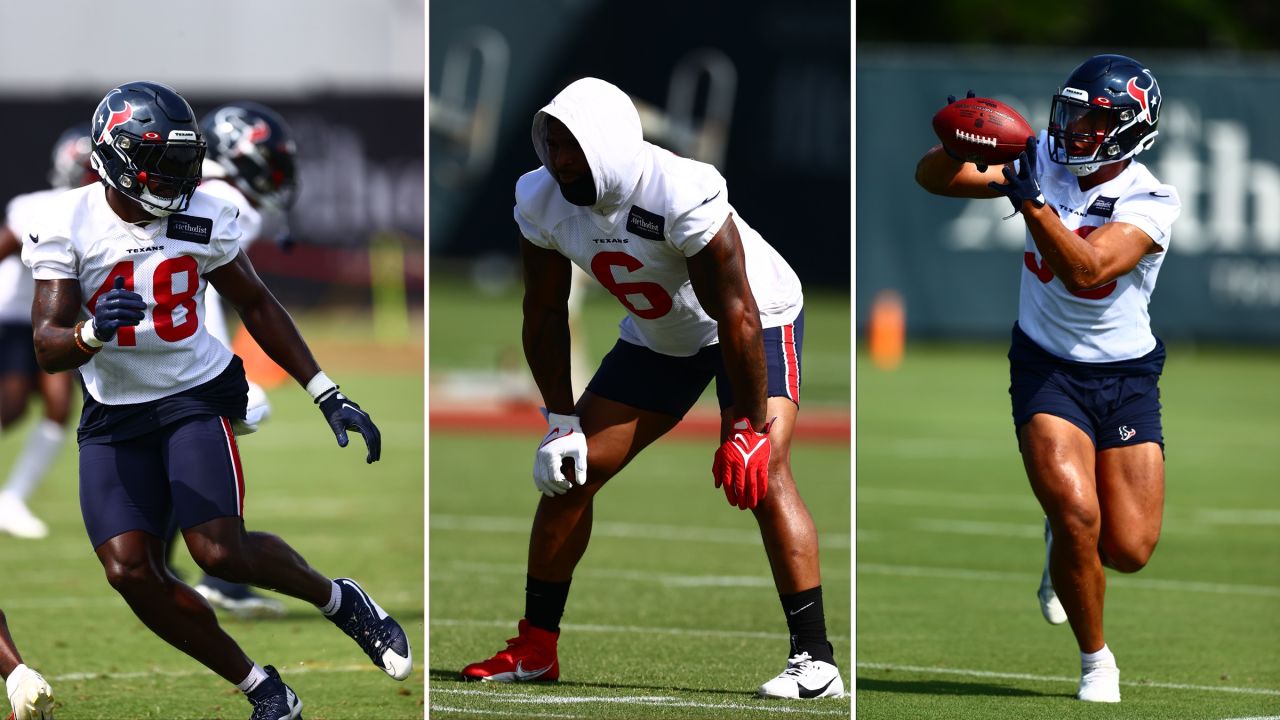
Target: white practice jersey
16, 286
1110, 322
164, 261
654, 211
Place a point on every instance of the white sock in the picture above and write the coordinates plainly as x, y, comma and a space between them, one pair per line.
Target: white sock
1102, 657
256, 676
335, 600
37, 455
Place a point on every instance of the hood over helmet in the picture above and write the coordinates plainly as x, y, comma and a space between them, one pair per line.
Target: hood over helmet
607, 127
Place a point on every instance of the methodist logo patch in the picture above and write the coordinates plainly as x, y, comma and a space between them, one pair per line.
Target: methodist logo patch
190, 228
1102, 207
645, 224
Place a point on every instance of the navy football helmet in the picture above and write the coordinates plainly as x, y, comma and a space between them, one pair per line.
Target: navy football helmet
71, 166
254, 150
1106, 111
147, 145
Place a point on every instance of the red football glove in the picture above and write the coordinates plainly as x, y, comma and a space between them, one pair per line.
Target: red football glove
742, 465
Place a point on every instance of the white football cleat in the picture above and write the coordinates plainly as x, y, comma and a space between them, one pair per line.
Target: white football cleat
29, 695
1100, 683
805, 678
17, 520
1050, 606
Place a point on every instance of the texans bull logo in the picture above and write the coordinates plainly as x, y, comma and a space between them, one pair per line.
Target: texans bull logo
1148, 97
109, 117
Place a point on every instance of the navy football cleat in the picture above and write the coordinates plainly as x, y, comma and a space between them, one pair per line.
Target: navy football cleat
273, 700
376, 632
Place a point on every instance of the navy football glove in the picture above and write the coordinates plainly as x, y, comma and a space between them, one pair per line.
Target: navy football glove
117, 308
1022, 185
951, 99
344, 414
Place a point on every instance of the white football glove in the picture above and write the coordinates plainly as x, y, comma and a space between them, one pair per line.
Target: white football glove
29, 695
564, 439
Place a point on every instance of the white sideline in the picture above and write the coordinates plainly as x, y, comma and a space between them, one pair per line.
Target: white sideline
522, 713
1060, 678
1112, 580
766, 706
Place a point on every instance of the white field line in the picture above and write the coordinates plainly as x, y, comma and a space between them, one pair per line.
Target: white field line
642, 531
290, 670
1113, 580
1269, 717
666, 579
637, 700
1022, 500
972, 527
514, 713
1061, 678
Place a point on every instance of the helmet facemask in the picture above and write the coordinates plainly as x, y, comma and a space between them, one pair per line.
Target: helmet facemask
1106, 112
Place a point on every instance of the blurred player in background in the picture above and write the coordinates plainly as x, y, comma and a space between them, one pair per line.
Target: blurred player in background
658, 232
1084, 364
29, 695
120, 271
249, 162
19, 373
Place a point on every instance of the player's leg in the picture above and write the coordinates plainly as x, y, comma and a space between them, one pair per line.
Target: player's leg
635, 397
1131, 494
18, 373
1060, 461
207, 481
29, 694
39, 452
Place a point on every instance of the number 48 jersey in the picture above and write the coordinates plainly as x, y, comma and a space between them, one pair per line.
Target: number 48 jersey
81, 238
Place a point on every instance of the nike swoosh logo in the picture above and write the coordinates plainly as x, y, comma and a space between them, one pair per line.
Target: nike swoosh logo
797, 612
353, 407
549, 439
34, 238
522, 674
807, 693
1156, 194
713, 197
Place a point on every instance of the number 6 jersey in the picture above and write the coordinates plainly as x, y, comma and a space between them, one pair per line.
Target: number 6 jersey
81, 238
654, 210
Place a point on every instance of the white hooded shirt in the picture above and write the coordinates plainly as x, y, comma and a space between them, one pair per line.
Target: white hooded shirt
653, 211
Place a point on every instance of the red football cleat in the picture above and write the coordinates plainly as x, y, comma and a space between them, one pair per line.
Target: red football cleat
530, 656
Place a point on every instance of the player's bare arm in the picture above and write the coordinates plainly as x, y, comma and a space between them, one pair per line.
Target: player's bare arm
718, 273
54, 313
545, 332
264, 317
1083, 263
9, 243
941, 174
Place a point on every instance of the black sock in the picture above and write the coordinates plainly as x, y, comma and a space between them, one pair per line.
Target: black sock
544, 602
808, 624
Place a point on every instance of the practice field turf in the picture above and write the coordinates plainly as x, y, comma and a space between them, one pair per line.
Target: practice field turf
950, 551
345, 517
673, 613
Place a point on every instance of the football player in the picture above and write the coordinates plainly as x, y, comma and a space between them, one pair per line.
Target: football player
249, 162
706, 297
19, 374
121, 269
29, 695
1084, 364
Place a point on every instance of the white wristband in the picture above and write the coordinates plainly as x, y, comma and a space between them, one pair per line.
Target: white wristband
319, 385
86, 334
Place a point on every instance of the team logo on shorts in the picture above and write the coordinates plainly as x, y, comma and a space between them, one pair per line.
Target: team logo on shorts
1127, 433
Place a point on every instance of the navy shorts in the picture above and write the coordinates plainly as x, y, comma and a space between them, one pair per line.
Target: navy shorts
637, 376
190, 468
1116, 404
17, 350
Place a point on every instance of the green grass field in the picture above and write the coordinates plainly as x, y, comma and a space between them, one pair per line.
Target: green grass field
673, 613
345, 517
949, 551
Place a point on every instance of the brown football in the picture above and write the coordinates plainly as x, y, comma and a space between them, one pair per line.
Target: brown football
982, 130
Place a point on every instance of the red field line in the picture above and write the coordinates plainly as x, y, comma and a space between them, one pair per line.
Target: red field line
815, 425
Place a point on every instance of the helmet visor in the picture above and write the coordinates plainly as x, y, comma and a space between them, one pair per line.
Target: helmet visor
172, 168
1082, 133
